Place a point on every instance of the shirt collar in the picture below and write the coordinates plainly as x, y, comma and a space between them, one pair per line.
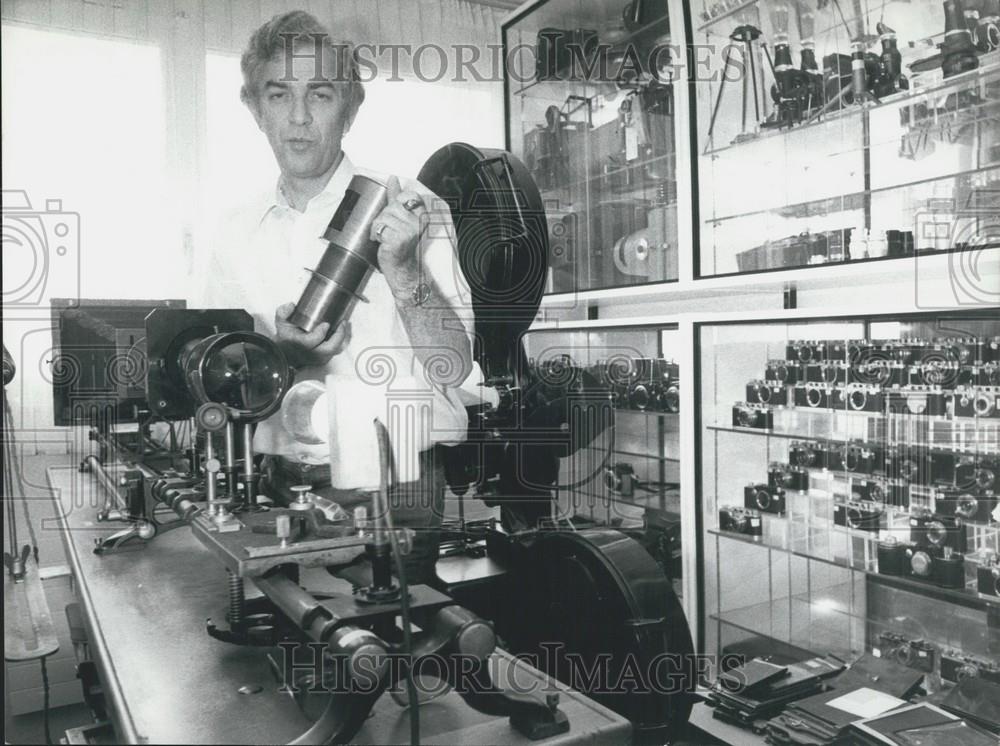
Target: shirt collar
332, 193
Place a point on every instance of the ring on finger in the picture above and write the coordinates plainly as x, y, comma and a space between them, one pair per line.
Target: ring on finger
413, 203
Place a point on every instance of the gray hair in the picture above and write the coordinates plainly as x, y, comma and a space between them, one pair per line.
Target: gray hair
289, 31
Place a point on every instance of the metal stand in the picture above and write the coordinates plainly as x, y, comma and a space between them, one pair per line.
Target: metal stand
746, 35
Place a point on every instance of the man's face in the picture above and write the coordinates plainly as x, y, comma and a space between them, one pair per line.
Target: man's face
303, 116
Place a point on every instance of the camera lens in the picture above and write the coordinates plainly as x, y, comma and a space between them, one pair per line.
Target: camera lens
936, 532
966, 506
672, 400
983, 404
966, 671
763, 393
804, 353
763, 499
920, 563
830, 373
814, 397
984, 478
746, 417
640, 397
858, 399
781, 373
853, 517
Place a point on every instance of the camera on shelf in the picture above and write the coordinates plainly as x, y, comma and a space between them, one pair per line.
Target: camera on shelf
762, 392
936, 531
642, 386
867, 490
918, 400
943, 567
861, 458
980, 402
956, 667
919, 655
806, 351
786, 476
829, 373
859, 515
667, 397
812, 396
973, 507
620, 479
976, 472
964, 350
862, 398
990, 350
756, 416
765, 498
985, 375
988, 575
740, 520
909, 464
806, 454
783, 372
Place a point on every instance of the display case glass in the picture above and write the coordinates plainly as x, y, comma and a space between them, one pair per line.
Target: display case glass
848, 483
590, 111
840, 132
628, 476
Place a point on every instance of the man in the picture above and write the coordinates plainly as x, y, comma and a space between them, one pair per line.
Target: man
303, 92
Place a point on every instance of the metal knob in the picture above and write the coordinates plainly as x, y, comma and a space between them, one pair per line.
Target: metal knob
283, 528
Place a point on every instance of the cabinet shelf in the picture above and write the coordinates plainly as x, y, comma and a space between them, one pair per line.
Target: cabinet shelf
936, 88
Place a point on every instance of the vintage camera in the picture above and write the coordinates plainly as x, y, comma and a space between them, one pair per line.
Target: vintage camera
976, 473
756, 416
956, 667
867, 490
862, 516
861, 458
943, 567
806, 352
806, 455
980, 402
973, 507
908, 464
987, 374
764, 498
958, 52
861, 398
988, 575
783, 372
990, 350
938, 532
916, 654
829, 373
964, 350
740, 520
894, 556
762, 392
667, 397
788, 477
918, 400
812, 396
643, 384
832, 455
620, 479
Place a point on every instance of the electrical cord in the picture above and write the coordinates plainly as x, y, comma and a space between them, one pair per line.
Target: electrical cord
385, 456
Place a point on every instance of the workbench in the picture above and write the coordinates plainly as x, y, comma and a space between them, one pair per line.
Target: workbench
167, 681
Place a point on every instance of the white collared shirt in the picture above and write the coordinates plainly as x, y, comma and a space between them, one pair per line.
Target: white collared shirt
261, 259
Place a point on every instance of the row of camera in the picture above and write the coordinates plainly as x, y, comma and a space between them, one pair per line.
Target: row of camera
935, 552
641, 383
882, 373
921, 655
762, 398
957, 350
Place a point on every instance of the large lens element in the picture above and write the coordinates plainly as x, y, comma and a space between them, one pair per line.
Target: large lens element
244, 371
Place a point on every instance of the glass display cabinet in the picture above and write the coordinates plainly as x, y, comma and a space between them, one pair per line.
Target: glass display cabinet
848, 486
842, 131
628, 476
590, 111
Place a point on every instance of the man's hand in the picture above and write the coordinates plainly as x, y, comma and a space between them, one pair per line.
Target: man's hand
397, 229
313, 348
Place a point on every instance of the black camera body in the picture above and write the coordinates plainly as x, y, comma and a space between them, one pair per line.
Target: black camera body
967, 505
763, 392
938, 532
787, 477
859, 515
916, 654
908, 464
620, 479
806, 351
812, 396
757, 416
740, 521
867, 490
806, 455
829, 373
988, 576
861, 458
918, 400
863, 398
764, 498
956, 667
784, 372
977, 473
982, 402
894, 556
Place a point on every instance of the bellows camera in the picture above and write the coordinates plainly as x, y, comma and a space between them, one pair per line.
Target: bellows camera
740, 521
764, 498
756, 416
